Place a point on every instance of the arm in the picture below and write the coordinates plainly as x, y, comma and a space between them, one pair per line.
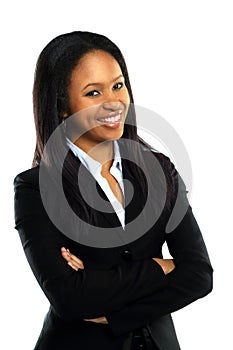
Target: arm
86, 293
75, 263
189, 281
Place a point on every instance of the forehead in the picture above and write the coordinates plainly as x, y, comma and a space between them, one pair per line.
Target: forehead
96, 65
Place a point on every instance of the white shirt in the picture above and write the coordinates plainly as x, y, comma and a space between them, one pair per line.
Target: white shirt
94, 167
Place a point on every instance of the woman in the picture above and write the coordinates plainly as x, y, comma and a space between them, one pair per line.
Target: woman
102, 270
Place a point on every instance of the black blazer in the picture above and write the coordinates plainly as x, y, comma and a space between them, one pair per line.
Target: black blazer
122, 283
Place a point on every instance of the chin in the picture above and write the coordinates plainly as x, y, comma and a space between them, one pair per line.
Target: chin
111, 135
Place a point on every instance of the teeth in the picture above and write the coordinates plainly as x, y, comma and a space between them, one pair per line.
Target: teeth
110, 119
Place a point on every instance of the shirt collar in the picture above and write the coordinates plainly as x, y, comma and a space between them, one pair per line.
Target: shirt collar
91, 164
117, 156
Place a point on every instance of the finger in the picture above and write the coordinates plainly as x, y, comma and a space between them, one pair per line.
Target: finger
65, 254
68, 256
102, 320
92, 320
75, 259
73, 266
71, 258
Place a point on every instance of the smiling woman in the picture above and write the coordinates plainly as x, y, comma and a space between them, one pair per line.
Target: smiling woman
103, 296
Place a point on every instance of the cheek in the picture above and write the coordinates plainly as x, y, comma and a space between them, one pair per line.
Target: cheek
127, 101
79, 105
86, 115
125, 97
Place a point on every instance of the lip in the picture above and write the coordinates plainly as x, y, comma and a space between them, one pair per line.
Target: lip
111, 114
111, 124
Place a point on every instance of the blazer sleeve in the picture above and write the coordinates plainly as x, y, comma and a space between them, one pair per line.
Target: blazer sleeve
75, 294
189, 281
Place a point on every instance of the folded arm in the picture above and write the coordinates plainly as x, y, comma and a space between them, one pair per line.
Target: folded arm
189, 281
86, 293
75, 263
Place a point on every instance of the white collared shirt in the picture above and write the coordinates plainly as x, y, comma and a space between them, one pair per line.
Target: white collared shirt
94, 167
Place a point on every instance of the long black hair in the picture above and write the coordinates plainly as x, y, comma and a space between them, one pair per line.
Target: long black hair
51, 101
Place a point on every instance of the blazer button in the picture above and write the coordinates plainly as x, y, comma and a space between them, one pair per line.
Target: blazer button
127, 255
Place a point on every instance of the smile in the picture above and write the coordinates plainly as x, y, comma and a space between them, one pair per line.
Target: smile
110, 119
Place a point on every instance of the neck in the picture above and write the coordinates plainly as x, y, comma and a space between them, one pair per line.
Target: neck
102, 152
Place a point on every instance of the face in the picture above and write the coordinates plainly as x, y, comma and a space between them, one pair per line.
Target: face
99, 99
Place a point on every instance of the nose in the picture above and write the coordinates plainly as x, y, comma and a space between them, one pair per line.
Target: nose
111, 101
112, 105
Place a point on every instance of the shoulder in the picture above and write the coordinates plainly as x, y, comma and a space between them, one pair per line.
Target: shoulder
28, 177
164, 161
164, 172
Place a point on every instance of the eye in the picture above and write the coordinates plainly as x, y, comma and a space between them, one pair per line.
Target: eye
118, 86
92, 93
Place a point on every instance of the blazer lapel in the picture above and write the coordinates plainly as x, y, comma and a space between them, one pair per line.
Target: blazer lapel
97, 201
133, 198
110, 214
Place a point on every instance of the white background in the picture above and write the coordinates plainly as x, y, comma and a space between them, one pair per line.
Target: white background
180, 61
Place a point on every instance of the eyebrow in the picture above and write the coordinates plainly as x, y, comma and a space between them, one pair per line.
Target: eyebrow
93, 84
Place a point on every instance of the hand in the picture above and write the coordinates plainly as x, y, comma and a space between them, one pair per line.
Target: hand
71, 259
102, 320
166, 264
76, 264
